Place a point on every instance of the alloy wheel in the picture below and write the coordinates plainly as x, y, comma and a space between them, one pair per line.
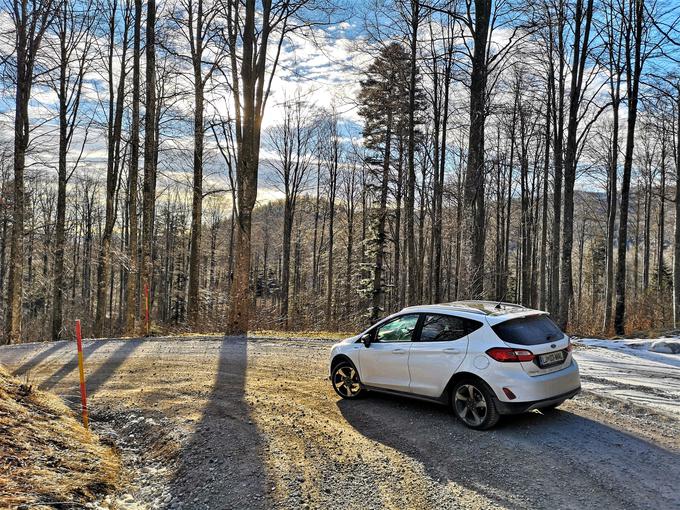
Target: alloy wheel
470, 404
346, 381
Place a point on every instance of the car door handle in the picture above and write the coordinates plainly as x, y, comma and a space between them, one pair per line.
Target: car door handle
399, 351
451, 350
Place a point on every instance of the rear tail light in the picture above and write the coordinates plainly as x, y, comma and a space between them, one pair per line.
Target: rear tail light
507, 355
569, 346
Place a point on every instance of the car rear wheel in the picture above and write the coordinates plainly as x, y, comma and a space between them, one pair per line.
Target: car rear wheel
346, 382
474, 406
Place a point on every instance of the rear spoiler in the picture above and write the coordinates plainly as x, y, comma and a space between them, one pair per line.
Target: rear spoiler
492, 320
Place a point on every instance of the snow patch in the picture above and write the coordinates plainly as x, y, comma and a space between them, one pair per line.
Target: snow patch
661, 350
632, 371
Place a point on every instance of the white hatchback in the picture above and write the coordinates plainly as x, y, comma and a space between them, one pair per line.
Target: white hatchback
481, 357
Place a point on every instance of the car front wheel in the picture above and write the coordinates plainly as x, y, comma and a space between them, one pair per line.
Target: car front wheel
346, 381
473, 405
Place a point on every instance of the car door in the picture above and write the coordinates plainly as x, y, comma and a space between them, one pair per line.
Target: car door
384, 364
439, 351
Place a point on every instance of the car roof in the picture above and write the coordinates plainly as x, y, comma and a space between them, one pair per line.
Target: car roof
493, 311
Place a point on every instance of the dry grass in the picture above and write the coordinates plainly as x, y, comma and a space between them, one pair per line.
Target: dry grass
330, 335
269, 333
47, 458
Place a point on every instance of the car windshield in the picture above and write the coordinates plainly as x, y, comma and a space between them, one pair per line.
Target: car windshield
534, 330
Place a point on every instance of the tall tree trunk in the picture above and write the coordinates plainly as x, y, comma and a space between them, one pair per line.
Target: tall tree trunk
647, 246
317, 202
437, 188
525, 226
438, 206
399, 286
676, 233
615, 72
250, 92
420, 273
543, 285
558, 145
474, 175
349, 209
133, 177
411, 150
150, 144
58, 284
378, 294
508, 205
285, 264
112, 169
634, 70
611, 216
661, 224
240, 302
579, 60
333, 180
30, 24
197, 195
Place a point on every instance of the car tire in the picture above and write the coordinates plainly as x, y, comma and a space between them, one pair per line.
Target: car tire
345, 380
473, 404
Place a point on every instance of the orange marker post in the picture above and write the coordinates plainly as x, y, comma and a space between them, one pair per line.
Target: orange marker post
81, 368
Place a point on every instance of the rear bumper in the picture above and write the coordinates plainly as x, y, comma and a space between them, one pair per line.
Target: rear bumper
521, 407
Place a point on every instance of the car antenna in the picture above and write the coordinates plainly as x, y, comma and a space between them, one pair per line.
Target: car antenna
498, 305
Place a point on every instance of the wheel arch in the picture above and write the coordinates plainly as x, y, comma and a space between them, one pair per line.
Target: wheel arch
463, 376
339, 358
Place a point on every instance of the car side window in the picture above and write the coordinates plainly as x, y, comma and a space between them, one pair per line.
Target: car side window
443, 328
400, 329
472, 325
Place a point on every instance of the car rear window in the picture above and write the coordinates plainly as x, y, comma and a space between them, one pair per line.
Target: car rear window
534, 330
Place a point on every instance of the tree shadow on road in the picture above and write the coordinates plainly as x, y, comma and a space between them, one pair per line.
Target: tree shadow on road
221, 465
40, 357
556, 460
69, 363
113, 363
88, 349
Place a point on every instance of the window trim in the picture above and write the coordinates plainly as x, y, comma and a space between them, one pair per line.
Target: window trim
416, 331
465, 320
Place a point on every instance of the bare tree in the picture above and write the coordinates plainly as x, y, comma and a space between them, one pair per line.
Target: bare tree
332, 156
131, 290
676, 234
292, 142
114, 149
255, 35
197, 22
614, 28
74, 37
582, 23
30, 21
150, 150
635, 15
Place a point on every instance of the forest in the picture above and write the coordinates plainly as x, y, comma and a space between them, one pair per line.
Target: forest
246, 165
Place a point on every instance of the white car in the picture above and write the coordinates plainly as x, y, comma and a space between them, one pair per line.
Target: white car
481, 357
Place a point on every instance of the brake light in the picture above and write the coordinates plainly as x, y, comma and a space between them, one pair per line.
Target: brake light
507, 355
569, 346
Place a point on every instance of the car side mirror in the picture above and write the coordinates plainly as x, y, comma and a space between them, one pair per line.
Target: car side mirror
366, 339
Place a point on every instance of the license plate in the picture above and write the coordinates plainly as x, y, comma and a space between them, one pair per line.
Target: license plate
551, 358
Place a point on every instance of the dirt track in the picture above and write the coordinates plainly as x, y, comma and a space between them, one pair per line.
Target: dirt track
254, 424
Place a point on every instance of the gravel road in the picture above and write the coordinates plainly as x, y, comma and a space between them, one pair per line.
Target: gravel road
229, 423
